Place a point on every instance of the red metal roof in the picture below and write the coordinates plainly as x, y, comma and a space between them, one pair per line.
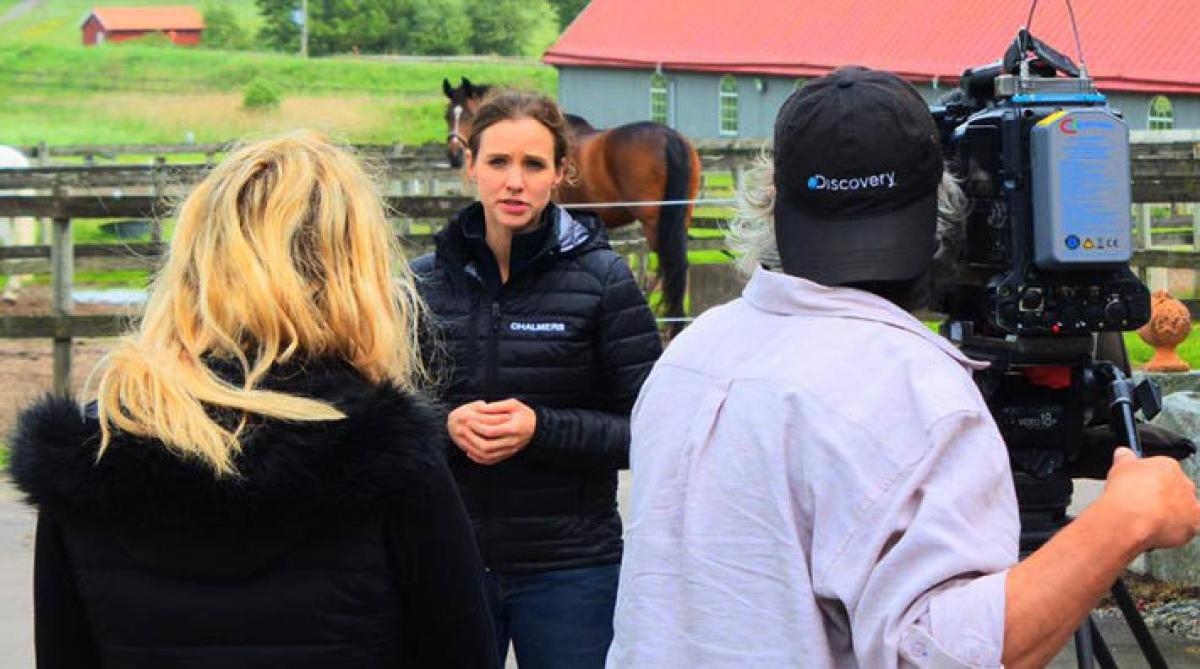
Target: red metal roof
1129, 46
148, 18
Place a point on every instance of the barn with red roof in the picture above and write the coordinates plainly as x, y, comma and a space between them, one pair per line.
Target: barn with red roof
183, 25
722, 69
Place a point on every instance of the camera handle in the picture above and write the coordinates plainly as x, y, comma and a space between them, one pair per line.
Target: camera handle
1026, 42
1124, 398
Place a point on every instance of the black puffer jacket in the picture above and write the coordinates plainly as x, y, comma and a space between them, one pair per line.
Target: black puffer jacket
342, 544
570, 335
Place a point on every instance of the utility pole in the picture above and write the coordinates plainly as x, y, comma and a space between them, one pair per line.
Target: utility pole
304, 28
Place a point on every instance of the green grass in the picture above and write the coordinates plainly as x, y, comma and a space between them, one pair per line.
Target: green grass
184, 70
137, 94
1140, 352
57, 21
3, 457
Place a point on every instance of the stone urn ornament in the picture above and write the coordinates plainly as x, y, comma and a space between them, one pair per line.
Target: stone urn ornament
1169, 324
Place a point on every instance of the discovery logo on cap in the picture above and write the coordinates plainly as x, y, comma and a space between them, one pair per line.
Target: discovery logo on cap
821, 182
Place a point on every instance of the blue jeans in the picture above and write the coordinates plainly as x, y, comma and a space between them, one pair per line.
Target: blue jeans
555, 619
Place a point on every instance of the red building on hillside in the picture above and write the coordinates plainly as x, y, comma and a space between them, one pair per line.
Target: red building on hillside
183, 25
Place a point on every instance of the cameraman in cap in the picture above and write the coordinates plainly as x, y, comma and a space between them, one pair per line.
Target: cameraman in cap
817, 481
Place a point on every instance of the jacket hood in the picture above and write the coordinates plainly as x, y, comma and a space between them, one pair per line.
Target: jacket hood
292, 477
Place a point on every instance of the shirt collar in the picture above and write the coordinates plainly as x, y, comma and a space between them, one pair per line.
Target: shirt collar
780, 293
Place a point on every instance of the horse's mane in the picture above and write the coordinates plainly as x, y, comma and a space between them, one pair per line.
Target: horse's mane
576, 123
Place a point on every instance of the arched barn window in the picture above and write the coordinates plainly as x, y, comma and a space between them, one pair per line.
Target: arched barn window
658, 98
1162, 114
728, 107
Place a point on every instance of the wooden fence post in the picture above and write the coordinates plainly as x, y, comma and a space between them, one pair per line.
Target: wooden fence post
1145, 225
156, 191
1195, 226
62, 264
43, 160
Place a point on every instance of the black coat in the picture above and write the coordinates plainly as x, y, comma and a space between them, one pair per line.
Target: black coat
570, 335
341, 544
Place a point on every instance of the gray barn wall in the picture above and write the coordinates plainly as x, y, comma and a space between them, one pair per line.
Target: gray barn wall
609, 97
1136, 109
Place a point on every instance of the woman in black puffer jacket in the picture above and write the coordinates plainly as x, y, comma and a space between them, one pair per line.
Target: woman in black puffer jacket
258, 485
547, 340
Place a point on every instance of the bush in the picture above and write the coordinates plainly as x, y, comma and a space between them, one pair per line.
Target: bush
222, 29
259, 95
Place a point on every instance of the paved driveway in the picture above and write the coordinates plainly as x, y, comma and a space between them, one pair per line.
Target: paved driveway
16, 606
16, 574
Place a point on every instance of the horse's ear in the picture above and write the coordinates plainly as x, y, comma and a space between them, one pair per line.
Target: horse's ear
467, 87
447, 89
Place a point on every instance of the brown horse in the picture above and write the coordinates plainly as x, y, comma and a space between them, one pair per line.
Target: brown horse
639, 167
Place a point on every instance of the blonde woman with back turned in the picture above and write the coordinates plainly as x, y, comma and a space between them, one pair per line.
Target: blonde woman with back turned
257, 483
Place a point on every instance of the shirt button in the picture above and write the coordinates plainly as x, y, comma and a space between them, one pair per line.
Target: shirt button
918, 649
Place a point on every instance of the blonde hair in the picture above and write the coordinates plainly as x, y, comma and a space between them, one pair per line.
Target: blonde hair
282, 254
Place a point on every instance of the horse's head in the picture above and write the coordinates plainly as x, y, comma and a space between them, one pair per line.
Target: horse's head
460, 112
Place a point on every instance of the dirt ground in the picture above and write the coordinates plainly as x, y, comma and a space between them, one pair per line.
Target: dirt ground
27, 365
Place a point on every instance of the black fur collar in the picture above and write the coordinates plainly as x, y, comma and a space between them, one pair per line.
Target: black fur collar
290, 472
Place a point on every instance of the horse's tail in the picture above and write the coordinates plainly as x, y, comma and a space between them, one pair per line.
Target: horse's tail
673, 224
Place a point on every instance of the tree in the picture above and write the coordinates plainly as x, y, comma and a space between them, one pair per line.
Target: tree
511, 27
439, 28
498, 26
278, 30
379, 26
542, 28
567, 11
337, 26
222, 29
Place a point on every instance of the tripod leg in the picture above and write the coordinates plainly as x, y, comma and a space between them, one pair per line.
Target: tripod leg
1084, 655
1104, 656
1137, 625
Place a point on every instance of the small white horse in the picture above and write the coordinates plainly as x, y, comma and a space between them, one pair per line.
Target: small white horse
19, 231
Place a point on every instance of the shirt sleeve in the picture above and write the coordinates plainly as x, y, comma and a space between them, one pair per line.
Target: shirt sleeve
628, 344
922, 582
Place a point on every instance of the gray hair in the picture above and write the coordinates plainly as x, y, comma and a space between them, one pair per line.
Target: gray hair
751, 233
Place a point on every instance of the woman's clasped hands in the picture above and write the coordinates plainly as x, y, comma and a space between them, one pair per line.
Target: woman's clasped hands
492, 432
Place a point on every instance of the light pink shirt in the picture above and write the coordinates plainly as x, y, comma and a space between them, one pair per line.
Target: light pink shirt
816, 483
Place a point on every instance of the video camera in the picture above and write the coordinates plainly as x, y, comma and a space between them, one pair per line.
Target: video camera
1044, 273
1045, 163
1043, 286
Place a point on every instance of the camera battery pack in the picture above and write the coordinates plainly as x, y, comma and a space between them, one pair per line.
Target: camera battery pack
1081, 190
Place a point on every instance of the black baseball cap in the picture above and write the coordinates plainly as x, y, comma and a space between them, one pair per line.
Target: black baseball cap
857, 167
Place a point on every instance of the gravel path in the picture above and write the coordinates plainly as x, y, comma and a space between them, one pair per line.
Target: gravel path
18, 10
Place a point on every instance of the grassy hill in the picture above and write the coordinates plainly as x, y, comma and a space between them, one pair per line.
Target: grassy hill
57, 21
57, 91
